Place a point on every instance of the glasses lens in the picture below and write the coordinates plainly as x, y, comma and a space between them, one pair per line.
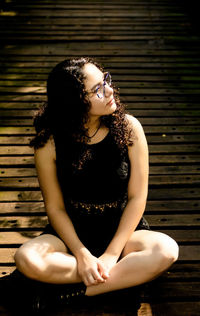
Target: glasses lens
101, 89
107, 78
100, 92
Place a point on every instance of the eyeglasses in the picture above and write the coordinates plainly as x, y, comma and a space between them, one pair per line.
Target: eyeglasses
100, 89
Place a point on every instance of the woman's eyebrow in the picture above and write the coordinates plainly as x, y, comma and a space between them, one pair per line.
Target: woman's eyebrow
96, 84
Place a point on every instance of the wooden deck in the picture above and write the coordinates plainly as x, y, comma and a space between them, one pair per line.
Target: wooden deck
153, 53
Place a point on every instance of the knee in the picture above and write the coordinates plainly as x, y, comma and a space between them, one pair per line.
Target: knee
166, 253
31, 264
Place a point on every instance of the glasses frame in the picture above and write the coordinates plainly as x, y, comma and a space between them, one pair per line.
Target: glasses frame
106, 76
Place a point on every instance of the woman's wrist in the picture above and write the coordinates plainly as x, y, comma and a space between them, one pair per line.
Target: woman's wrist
82, 252
109, 256
115, 253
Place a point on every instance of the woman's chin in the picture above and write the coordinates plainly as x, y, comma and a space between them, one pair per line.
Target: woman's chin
113, 108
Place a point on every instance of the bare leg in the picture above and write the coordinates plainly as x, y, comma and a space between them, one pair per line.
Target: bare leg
146, 255
45, 258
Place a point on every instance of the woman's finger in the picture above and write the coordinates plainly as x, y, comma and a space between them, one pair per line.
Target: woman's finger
103, 271
97, 277
90, 280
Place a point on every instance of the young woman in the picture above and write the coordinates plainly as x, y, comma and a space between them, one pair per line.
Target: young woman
92, 165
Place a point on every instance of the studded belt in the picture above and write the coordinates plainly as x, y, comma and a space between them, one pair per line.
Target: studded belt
90, 207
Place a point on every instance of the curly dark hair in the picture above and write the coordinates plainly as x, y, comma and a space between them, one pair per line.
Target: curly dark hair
65, 113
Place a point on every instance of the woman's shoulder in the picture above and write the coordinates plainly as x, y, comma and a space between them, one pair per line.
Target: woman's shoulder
132, 120
134, 124
48, 149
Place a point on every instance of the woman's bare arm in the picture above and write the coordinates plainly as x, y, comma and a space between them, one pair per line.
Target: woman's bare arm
137, 190
45, 162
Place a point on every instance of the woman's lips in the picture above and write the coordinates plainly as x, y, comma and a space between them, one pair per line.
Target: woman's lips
110, 102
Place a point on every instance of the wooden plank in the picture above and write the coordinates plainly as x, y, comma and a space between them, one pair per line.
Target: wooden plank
17, 130
124, 86
7, 255
16, 183
17, 161
137, 113
175, 308
95, 13
173, 170
139, 24
189, 252
32, 182
24, 172
178, 220
193, 88
15, 150
153, 170
143, 68
164, 221
153, 149
23, 222
180, 271
65, 38
187, 236
171, 291
192, 99
182, 236
159, 130
41, 61
124, 67
162, 193
6, 270
12, 196
62, 5
151, 139
126, 54
68, 30
182, 206
144, 121
117, 78
114, 48
120, 80
153, 207
15, 239
186, 159
123, 91
21, 207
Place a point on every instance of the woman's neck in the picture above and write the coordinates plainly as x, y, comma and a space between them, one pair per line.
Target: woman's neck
93, 126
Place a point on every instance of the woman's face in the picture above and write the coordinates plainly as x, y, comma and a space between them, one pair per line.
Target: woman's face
99, 106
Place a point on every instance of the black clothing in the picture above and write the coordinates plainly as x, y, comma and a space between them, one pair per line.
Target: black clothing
95, 195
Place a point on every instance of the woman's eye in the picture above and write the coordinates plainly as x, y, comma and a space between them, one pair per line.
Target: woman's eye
97, 88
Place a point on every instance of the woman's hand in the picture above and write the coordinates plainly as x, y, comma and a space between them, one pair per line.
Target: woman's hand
108, 261
90, 268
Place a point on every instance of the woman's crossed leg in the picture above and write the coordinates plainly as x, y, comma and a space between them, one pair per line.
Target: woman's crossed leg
145, 256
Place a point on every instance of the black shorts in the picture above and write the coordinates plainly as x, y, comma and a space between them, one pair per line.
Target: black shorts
98, 244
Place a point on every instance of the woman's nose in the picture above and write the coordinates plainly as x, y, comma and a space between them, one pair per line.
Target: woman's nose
108, 90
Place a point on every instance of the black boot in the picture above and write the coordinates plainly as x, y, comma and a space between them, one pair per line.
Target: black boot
25, 296
55, 296
16, 292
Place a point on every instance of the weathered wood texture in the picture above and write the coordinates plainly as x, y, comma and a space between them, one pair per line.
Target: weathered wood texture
153, 53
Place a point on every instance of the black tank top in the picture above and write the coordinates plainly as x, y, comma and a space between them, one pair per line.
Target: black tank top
103, 177
96, 195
